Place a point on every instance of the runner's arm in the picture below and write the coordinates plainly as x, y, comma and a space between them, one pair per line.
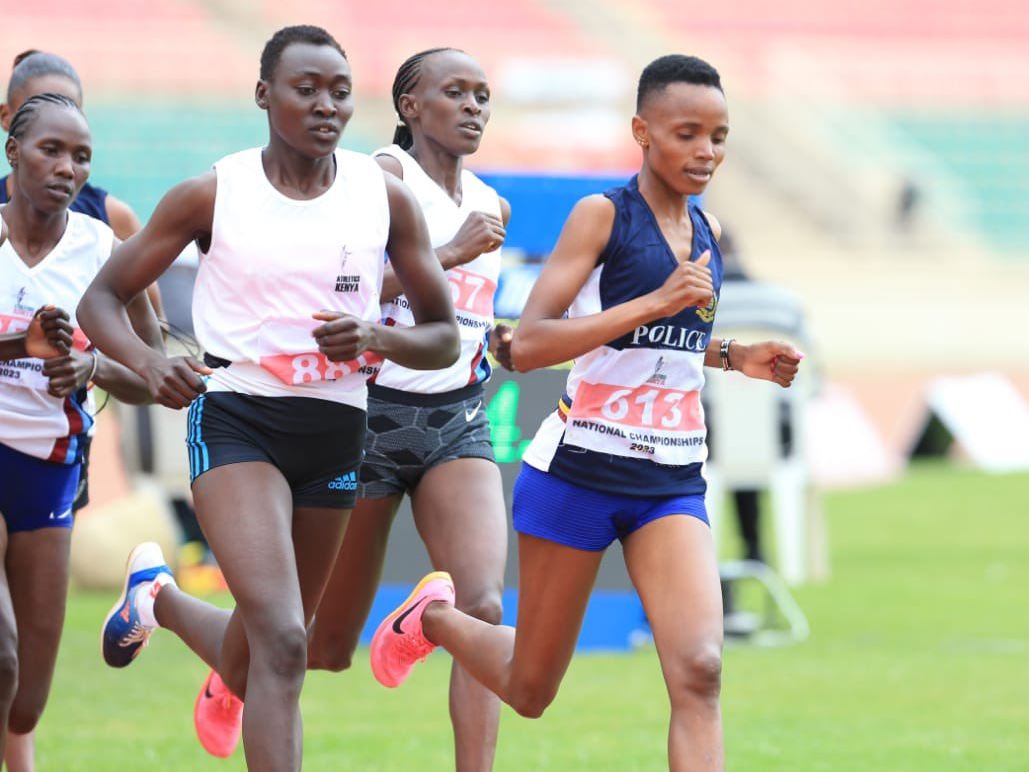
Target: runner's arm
544, 337
184, 214
433, 342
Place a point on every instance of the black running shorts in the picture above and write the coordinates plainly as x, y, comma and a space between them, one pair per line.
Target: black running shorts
315, 443
410, 433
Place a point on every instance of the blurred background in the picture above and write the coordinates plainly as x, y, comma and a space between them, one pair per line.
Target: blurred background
876, 198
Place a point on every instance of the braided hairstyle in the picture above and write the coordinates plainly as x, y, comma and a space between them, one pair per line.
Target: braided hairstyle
407, 78
30, 109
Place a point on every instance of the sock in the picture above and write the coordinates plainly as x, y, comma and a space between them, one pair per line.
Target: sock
147, 595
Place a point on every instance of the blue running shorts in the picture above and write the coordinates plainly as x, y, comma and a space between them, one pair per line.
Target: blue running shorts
550, 508
35, 493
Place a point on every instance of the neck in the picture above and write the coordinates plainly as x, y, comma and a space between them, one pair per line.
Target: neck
444, 168
33, 232
664, 202
292, 172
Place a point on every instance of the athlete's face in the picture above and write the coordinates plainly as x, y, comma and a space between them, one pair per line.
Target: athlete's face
450, 106
44, 84
51, 160
682, 129
308, 98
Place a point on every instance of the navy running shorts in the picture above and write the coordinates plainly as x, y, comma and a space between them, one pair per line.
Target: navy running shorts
550, 508
35, 493
410, 433
316, 444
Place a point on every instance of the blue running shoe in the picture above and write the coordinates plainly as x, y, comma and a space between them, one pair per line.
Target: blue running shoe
124, 635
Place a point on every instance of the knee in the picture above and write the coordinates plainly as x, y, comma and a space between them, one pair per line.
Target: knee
696, 674
486, 606
283, 651
24, 717
334, 654
531, 699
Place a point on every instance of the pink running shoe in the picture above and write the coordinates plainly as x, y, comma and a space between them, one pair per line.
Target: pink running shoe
399, 644
218, 717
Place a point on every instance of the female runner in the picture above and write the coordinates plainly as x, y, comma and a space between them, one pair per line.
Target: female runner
48, 255
292, 239
638, 272
428, 436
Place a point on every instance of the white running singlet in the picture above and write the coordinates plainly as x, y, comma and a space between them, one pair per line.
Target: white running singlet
274, 261
472, 285
31, 420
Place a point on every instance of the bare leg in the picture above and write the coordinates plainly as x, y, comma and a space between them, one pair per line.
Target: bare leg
524, 670
8, 644
351, 587
37, 570
246, 512
672, 564
460, 513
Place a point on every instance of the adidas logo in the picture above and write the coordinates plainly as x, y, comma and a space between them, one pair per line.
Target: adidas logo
345, 482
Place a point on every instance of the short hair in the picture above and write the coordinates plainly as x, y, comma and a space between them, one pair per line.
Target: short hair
675, 68
32, 64
29, 111
287, 36
407, 78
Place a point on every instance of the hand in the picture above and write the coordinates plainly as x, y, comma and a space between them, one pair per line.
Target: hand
689, 285
478, 234
174, 381
343, 337
49, 333
770, 360
68, 373
500, 345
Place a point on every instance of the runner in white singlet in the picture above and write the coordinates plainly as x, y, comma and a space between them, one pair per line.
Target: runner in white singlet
292, 240
428, 435
48, 256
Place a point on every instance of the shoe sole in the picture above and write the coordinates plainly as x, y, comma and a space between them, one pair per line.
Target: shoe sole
121, 600
376, 646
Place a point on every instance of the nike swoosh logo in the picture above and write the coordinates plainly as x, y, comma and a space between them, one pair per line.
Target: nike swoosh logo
66, 513
397, 622
468, 416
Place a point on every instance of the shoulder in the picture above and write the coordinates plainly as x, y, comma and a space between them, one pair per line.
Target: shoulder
505, 210
190, 204
360, 169
589, 226
387, 158
198, 190
716, 227
596, 208
240, 157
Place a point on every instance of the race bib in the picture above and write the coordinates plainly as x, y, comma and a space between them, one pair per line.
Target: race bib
296, 369
648, 421
28, 372
472, 292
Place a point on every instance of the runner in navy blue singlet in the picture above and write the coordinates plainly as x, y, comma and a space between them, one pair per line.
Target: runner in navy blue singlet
630, 293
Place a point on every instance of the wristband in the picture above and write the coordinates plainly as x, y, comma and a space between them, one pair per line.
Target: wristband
723, 353
96, 364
